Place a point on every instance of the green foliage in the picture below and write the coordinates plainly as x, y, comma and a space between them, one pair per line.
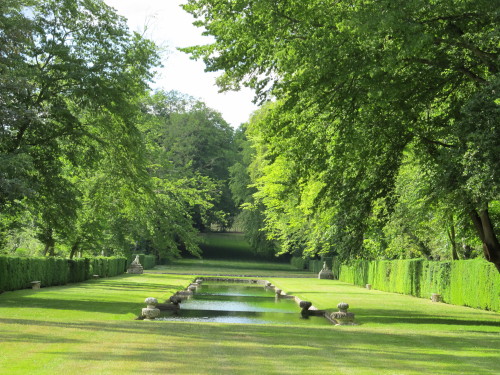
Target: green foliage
71, 74
188, 140
316, 265
108, 266
300, 263
149, 262
79, 270
18, 273
251, 218
473, 283
357, 87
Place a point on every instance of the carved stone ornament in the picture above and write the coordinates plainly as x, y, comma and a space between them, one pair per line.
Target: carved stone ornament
342, 317
150, 312
325, 273
135, 266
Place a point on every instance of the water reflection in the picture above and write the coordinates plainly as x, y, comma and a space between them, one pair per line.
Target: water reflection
239, 303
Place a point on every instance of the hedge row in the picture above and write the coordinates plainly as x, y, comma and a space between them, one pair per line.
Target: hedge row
300, 263
473, 283
18, 273
108, 266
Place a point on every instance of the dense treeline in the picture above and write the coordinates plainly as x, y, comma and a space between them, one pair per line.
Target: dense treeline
91, 161
380, 130
378, 136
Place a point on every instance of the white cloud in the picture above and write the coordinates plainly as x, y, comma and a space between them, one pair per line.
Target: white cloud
165, 22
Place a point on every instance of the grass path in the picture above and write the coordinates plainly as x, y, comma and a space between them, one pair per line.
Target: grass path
231, 268
89, 328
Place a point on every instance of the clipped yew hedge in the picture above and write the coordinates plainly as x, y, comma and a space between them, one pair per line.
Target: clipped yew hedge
473, 283
108, 266
300, 263
18, 272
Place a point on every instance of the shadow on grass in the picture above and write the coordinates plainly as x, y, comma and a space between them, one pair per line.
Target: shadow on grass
128, 286
381, 316
36, 338
84, 305
242, 347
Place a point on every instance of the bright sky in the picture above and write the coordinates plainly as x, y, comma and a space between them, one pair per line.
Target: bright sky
171, 27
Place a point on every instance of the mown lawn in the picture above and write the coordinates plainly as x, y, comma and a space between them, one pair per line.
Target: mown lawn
231, 268
89, 328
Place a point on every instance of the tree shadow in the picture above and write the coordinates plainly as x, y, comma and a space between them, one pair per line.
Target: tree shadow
385, 316
242, 347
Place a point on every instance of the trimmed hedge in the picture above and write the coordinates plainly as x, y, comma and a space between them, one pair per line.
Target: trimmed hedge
108, 266
473, 283
79, 270
299, 263
149, 262
315, 265
18, 272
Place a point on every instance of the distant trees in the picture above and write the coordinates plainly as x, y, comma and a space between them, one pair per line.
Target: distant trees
194, 141
251, 216
362, 89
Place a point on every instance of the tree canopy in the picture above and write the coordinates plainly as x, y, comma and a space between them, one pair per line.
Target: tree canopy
90, 160
360, 89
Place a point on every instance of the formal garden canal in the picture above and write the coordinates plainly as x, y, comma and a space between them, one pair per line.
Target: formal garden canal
238, 302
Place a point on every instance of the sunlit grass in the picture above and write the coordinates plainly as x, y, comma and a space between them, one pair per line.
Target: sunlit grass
231, 268
89, 328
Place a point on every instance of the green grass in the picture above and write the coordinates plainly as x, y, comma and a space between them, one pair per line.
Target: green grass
231, 268
231, 246
89, 328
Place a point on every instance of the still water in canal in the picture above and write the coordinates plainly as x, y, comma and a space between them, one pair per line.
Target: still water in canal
239, 303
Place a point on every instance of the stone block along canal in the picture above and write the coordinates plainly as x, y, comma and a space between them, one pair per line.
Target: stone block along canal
230, 302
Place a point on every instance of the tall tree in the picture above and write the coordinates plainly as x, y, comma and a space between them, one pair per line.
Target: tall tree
251, 216
59, 61
360, 82
196, 140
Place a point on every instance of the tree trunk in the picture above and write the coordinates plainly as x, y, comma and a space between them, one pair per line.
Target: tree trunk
74, 249
49, 242
453, 239
484, 228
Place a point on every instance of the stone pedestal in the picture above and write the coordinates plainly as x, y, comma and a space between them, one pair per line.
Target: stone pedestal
135, 266
369, 286
342, 317
305, 305
150, 312
435, 297
325, 273
35, 285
